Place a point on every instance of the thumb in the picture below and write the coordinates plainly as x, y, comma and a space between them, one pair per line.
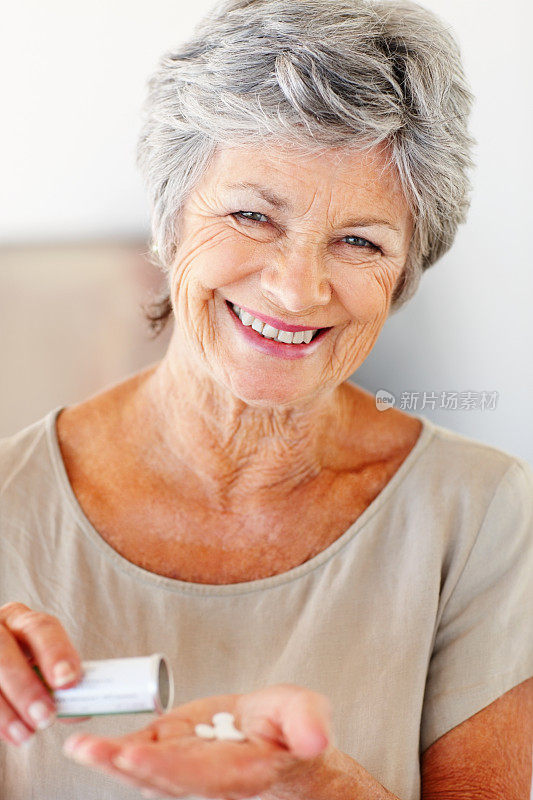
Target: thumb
306, 723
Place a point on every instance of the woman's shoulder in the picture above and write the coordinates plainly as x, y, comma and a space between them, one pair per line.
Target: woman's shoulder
442, 463
463, 483
453, 452
26, 451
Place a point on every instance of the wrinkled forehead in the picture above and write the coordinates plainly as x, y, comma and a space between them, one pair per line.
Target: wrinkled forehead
293, 179
291, 169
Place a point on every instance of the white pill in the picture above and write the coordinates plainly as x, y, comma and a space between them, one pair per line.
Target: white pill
205, 731
223, 718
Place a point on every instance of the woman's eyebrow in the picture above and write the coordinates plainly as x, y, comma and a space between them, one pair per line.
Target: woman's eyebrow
367, 222
279, 202
268, 195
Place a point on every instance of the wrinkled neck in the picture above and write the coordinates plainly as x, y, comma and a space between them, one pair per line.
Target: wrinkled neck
240, 456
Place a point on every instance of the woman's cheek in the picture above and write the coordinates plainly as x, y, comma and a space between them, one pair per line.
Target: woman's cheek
211, 261
364, 292
222, 259
232, 262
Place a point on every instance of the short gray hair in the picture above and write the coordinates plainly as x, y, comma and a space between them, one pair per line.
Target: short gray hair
317, 73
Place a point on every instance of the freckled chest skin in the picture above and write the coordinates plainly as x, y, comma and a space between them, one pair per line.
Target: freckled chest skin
222, 464
173, 533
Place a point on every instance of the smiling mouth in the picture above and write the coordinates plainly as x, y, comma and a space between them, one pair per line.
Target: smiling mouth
266, 331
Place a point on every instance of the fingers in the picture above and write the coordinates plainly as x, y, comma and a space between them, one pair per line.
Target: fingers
191, 766
12, 728
48, 642
21, 687
25, 702
99, 753
290, 714
306, 723
102, 748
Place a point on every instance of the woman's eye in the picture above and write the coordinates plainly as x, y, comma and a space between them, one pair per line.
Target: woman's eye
355, 241
360, 242
254, 216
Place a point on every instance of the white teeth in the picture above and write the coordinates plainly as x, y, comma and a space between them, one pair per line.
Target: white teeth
287, 337
284, 336
246, 318
269, 332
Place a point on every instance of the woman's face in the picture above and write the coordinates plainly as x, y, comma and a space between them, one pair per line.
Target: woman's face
309, 241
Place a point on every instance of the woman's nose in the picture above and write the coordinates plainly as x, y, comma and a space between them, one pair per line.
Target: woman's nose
297, 281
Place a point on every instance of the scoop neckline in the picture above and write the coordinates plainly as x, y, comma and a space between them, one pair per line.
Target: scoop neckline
214, 589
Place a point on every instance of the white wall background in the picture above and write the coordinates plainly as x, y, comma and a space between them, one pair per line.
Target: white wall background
73, 79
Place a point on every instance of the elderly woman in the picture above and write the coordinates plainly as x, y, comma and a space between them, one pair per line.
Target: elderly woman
353, 585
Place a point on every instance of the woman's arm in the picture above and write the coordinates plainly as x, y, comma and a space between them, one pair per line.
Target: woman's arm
486, 757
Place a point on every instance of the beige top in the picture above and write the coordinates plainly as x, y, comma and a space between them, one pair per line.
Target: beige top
414, 619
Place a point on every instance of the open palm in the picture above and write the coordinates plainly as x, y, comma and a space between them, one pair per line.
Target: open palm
287, 729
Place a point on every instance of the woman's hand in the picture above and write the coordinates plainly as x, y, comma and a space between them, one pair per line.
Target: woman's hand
29, 638
288, 732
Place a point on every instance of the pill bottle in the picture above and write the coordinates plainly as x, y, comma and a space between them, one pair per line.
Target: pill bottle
118, 686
